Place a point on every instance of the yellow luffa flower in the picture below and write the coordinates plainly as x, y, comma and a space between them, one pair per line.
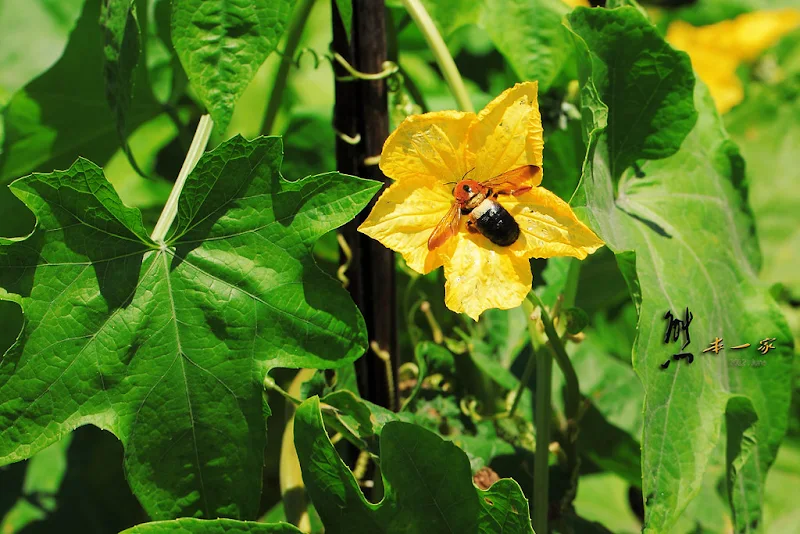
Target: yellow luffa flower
717, 50
428, 154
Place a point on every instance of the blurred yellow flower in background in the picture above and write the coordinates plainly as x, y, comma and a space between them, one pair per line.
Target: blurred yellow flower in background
718, 49
428, 154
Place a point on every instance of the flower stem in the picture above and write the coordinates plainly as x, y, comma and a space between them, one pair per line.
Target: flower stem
562, 359
440, 52
196, 149
293, 33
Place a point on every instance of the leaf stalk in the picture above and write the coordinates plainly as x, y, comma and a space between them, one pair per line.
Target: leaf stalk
196, 150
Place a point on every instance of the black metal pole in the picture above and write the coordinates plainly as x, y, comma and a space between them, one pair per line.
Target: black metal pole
361, 111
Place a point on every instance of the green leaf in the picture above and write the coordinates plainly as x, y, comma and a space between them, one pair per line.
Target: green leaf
216, 526
221, 45
694, 247
122, 49
167, 346
504, 509
63, 113
530, 34
645, 83
359, 421
685, 220
427, 481
44, 22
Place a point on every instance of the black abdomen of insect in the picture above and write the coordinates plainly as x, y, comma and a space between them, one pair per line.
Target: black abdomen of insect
495, 222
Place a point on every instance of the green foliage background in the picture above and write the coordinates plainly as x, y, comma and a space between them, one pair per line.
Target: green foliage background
140, 382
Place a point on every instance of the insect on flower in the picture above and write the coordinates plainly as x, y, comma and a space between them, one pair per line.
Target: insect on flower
467, 196
486, 215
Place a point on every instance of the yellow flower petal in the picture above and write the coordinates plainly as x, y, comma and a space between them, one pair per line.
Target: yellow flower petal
404, 217
480, 275
508, 133
548, 227
717, 50
430, 146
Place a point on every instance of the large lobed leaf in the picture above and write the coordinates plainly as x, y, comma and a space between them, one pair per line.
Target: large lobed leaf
166, 346
427, 484
685, 219
222, 43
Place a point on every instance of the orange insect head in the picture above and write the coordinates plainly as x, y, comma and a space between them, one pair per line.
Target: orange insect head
465, 189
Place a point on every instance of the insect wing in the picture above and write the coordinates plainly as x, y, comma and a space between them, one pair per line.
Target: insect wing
512, 182
446, 228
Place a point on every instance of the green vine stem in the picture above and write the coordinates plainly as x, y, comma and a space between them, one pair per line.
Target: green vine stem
443, 58
293, 33
572, 402
196, 150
